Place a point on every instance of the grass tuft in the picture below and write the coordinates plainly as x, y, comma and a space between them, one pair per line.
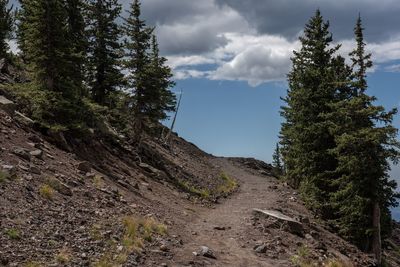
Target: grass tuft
4, 176
201, 192
13, 234
46, 191
64, 256
228, 186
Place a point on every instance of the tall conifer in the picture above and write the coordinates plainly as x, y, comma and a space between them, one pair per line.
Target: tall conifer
366, 140
6, 26
105, 50
305, 139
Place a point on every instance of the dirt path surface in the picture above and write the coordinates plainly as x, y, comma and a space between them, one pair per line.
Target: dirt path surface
232, 246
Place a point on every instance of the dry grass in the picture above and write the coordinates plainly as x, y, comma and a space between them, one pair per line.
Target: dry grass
13, 234
3, 176
228, 186
64, 256
46, 191
201, 192
302, 259
136, 232
33, 264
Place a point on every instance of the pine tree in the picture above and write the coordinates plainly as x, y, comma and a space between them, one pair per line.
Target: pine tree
305, 139
6, 26
276, 160
105, 50
137, 63
365, 141
43, 39
77, 41
160, 99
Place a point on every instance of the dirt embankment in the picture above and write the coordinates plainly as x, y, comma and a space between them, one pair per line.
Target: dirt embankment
97, 203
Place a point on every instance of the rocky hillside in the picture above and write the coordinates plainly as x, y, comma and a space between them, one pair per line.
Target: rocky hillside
94, 201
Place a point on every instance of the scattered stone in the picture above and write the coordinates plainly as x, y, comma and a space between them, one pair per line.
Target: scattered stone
149, 168
220, 228
260, 248
7, 105
21, 118
90, 175
164, 248
85, 166
35, 170
22, 153
37, 153
35, 139
206, 252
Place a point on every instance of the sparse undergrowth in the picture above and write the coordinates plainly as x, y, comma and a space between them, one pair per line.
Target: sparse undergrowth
136, 231
303, 259
46, 191
201, 192
3, 176
13, 234
228, 186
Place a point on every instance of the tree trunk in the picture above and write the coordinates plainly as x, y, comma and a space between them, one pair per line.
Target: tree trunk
376, 238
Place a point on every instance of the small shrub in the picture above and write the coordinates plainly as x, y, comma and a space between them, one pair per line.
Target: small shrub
32, 264
98, 181
228, 186
46, 191
3, 176
201, 192
13, 234
64, 256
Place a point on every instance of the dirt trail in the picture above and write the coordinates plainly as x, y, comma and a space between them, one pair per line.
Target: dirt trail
231, 246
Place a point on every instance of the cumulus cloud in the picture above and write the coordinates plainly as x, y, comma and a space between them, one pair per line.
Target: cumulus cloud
257, 59
287, 17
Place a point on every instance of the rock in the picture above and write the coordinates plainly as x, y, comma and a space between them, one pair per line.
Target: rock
9, 168
21, 118
90, 175
85, 166
260, 248
59, 186
22, 153
104, 128
220, 228
37, 153
7, 105
149, 168
164, 248
293, 226
35, 170
35, 139
206, 252
58, 138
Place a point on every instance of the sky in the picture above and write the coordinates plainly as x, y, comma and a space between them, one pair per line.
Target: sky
231, 57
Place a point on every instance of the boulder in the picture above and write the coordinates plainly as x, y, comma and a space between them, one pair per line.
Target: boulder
7, 105
59, 186
260, 248
37, 153
148, 168
22, 153
293, 226
35, 170
206, 252
21, 118
85, 166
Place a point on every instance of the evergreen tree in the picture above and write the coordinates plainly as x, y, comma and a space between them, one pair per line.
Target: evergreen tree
43, 38
305, 139
365, 141
276, 160
6, 26
137, 63
160, 99
77, 40
105, 50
